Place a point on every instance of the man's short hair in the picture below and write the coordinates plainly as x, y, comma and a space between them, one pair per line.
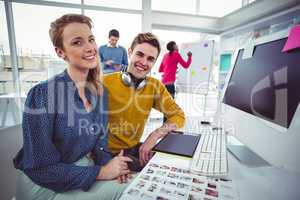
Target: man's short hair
114, 32
149, 38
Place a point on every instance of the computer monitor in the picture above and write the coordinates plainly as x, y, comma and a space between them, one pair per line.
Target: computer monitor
261, 100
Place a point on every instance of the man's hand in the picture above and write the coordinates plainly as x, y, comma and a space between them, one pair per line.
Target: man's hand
117, 67
146, 147
109, 62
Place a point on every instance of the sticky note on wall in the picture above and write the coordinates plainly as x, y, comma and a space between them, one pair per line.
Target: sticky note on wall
293, 40
193, 73
249, 50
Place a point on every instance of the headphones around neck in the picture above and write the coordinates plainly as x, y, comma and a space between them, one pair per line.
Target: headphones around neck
130, 81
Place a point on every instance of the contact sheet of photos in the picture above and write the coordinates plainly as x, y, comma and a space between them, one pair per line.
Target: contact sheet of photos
162, 182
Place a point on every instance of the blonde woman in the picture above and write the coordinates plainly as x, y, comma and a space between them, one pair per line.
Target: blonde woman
65, 155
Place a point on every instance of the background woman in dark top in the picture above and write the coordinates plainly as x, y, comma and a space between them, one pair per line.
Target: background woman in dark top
65, 125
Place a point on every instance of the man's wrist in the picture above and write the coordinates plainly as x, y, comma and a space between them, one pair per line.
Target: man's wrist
169, 127
163, 130
160, 132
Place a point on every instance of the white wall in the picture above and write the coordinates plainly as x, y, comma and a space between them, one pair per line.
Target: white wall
253, 12
202, 24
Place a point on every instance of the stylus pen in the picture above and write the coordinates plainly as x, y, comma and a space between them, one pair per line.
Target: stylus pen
177, 132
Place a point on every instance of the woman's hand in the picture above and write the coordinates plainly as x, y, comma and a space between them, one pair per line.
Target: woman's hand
124, 178
189, 54
115, 168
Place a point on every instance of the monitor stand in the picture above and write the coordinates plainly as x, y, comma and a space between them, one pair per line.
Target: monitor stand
246, 156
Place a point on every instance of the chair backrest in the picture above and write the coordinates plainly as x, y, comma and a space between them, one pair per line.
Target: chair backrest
11, 140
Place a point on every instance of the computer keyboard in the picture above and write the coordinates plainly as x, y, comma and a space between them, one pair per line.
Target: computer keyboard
210, 157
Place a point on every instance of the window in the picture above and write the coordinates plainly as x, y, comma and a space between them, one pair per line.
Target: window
178, 36
9, 111
66, 1
218, 8
129, 25
166, 36
4, 44
192, 104
179, 6
126, 4
37, 58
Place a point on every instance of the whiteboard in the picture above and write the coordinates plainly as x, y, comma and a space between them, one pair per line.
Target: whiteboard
195, 79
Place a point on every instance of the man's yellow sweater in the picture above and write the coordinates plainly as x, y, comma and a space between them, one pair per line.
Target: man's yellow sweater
129, 110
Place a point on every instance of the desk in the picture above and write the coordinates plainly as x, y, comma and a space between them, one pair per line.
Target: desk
3, 87
10, 99
260, 183
256, 183
266, 183
32, 82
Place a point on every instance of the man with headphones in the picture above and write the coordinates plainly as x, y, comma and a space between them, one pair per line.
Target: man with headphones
132, 95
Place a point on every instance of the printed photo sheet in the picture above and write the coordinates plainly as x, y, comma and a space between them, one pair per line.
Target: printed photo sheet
163, 182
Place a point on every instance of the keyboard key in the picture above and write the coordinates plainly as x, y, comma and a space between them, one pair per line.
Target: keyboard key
210, 157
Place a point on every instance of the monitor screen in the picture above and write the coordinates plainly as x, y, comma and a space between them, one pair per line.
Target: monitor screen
267, 85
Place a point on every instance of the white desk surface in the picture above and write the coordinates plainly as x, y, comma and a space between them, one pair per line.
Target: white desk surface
259, 183
266, 183
12, 95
